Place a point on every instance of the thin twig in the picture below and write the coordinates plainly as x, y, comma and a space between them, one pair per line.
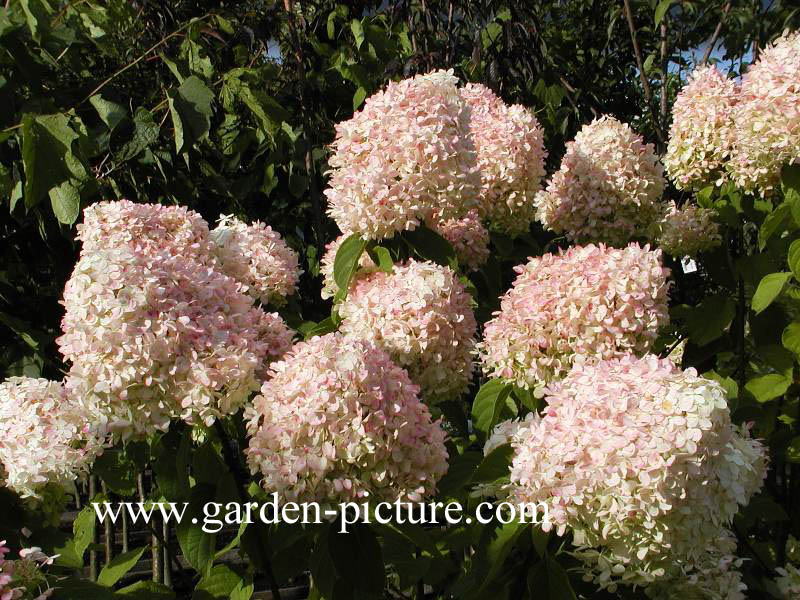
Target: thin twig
713, 41
648, 97
141, 57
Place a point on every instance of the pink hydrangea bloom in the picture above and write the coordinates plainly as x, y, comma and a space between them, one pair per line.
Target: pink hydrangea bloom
641, 462
144, 228
701, 134
153, 334
510, 146
339, 421
608, 188
46, 435
714, 575
258, 257
422, 316
688, 230
767, 117
590, 301
404, 154
470, 239
326, 263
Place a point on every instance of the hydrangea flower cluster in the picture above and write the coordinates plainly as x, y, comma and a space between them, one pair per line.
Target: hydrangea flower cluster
46, 436
608, 188
714, 575
469, 238
702, 131
258, 257
590, 301
641, 462
339, 421
24, 577
153, 334
326, 263
510, 147
145, 228
404, 154
688, 230
420, 314
767, 117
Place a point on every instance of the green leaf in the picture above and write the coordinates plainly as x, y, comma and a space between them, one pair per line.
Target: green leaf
358, 97
145, 133
119, 566
768, 289
730, 386
548, 580
661, 10
23, 329
36, 15
768, 387
117, 471
794, 259
495, 465
191, 110
196, 59
66, 201
323, 572
429, 245
495, 546
83, 529
323, 327
357, 557
219, 584
773, 223
777, 358
648, 63
198, 547
358, 32
488, 404
345, 264
381, 257
710, 319
793, 450
460, 469
47, 156
790, 184
110, 113
147, 590
71, 588
791, 338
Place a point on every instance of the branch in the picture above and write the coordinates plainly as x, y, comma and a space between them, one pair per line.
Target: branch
648, 97
664, 67
716, 33
141, 57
